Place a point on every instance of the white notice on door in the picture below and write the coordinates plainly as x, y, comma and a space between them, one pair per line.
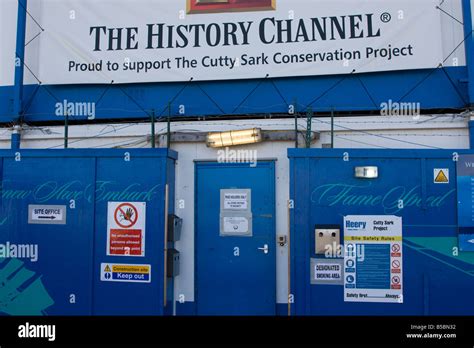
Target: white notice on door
235, 201
236, 224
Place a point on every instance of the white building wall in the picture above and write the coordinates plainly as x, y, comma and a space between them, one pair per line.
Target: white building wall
440, 131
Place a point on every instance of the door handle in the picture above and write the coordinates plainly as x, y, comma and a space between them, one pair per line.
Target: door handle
264, 249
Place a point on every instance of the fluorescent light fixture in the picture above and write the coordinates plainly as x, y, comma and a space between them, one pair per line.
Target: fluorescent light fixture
232, 138
366, 172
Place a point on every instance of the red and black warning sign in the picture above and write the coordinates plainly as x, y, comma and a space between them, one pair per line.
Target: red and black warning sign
396, 266
396, 250
126, 228
126, 215
396, 282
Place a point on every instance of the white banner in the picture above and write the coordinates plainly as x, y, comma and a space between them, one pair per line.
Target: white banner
97, 41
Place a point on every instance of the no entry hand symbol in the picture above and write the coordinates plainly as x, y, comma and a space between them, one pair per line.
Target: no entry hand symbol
126, 215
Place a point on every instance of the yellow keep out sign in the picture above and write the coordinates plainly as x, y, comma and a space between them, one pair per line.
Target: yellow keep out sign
119, 272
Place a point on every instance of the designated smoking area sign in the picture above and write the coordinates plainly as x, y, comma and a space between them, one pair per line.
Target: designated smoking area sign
126, 228
327, 271
373, 259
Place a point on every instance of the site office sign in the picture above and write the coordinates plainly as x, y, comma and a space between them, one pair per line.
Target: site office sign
126, 228
135, 41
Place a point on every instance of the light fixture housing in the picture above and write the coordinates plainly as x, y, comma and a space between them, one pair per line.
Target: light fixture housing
368, 172
234, 138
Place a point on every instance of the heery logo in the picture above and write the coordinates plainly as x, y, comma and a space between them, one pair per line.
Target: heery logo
355, 225
217, 6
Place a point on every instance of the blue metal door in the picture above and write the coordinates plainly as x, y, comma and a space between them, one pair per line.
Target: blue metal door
235, 275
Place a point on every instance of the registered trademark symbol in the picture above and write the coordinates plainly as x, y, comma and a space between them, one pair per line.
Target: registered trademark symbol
385, 17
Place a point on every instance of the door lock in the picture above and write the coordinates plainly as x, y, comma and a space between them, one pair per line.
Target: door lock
264, 249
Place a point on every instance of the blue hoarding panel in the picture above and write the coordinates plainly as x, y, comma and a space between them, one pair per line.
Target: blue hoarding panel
149, 188
63, 258
53, 231
465, 180
409, 185
363, 92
